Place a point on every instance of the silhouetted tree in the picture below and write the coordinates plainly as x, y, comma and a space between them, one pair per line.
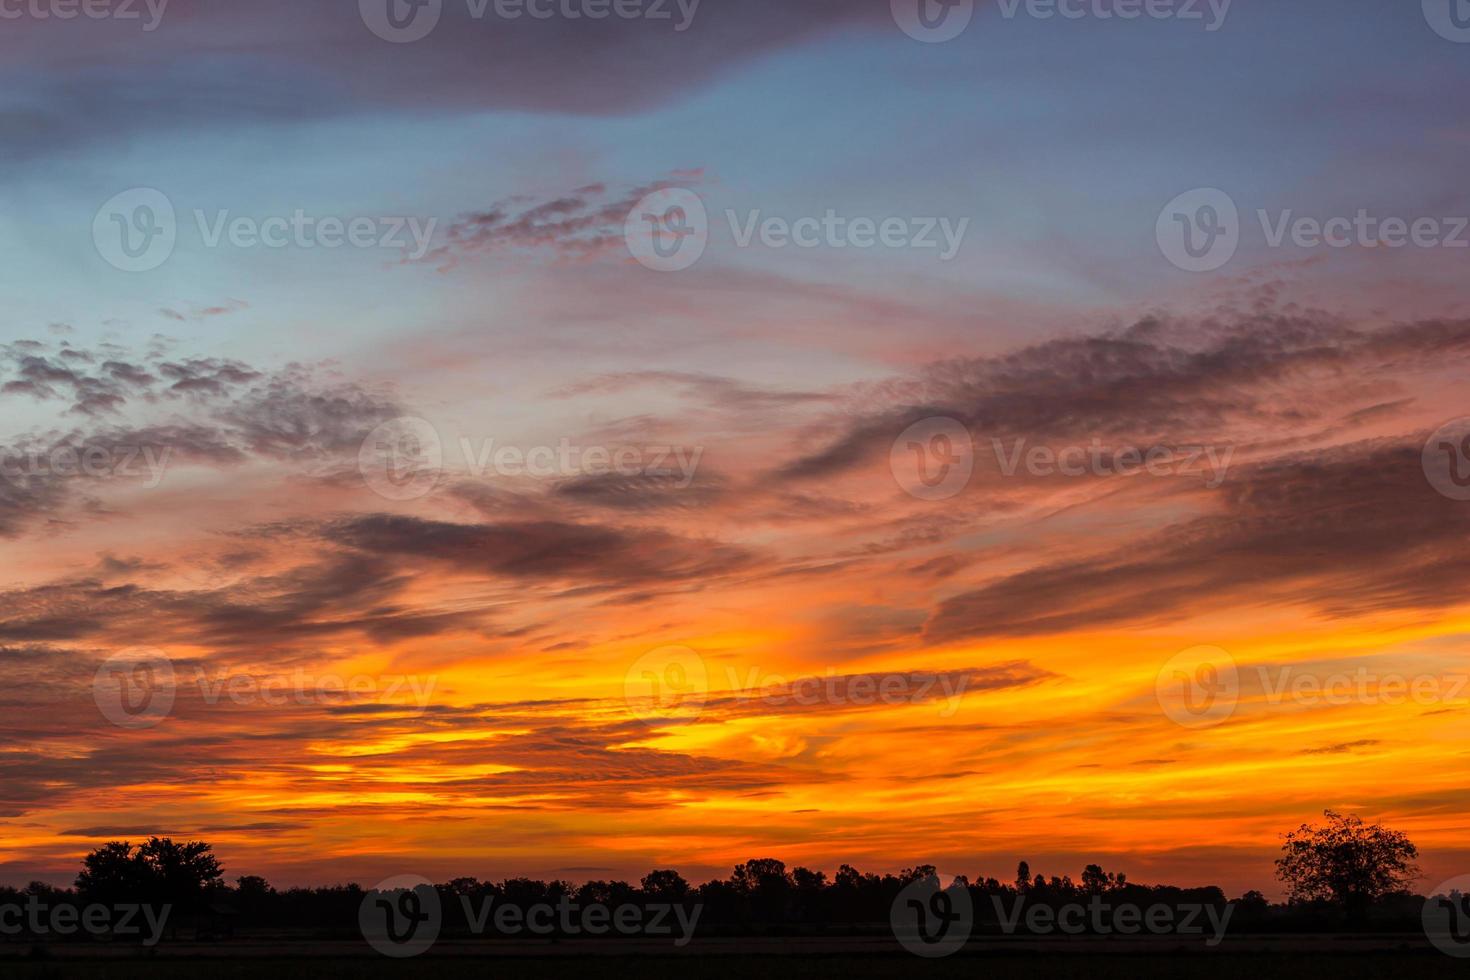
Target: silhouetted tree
808, 880
850, 877
157, 871
765, 885
1095, 880
114, 873
1346, 862
908, 875
254, 896
180, 873
1343, 862
665, 885
1252, 909
762, 874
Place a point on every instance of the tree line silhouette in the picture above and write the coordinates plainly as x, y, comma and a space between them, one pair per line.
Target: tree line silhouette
1340, 873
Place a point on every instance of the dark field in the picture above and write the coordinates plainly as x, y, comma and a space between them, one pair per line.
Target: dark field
1311, 958
1063, 967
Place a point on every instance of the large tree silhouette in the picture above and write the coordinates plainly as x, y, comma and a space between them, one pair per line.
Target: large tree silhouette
1346, 862
178, 874
114, 873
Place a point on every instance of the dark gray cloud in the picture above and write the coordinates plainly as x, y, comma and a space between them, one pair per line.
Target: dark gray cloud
155, 411
709, 389
544, 550
585, 222
643, 492
218, 62
1344, 531
277, 614
1166, 382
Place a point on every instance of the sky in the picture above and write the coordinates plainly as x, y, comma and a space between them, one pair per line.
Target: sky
567, 439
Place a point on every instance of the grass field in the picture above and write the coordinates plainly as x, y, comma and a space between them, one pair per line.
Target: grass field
1038, 965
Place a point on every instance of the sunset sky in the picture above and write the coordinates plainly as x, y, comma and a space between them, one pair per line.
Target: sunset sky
499, 625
